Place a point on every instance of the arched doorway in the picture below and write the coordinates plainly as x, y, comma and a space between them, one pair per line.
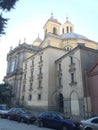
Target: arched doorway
60, 102
74, 104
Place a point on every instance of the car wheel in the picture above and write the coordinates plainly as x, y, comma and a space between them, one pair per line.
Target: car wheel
21, 120
40, 124
0, 116
88, 128
28, 121
64, 128
9, 117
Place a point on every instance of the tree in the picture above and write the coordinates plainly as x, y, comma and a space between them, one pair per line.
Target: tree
5, 6
5, 93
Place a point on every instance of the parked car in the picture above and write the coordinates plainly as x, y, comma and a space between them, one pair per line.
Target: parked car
55, 121
21, 115
3, 110
89, 124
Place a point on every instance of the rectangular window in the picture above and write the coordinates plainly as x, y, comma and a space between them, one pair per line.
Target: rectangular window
59, 82
33, 63
30, 97
22, 98
12, 66
30, 86
72, 77
59, 66
25, 76
39, 83
31, 73
40, 70
71, 59
39, 96
25, 65
40, 58
23, 87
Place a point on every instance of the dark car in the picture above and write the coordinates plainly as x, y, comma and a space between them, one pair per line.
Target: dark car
55, 121
21, 115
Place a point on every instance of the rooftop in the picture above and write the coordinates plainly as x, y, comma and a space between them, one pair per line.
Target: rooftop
73, 36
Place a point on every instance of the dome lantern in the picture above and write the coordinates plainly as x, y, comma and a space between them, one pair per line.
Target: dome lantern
67, 27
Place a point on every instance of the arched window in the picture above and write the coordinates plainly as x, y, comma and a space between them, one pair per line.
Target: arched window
74, 104
63, 30
54, 30
45, 32
68, 48
67, 29
70, 29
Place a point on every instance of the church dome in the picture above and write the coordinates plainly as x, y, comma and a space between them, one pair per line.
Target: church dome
52, 19
37, 41
72, 35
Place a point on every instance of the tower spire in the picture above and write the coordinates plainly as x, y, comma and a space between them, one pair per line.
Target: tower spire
66, 16
25, 40
19, 41
51, 14
38, 35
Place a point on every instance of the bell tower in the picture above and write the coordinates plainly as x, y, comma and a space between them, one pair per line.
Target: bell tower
52, 26
67, 27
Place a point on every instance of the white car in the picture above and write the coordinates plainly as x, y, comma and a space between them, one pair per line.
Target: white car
89, 124
3, 110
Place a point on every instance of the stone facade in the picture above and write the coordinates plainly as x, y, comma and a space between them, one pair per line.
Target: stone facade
50, 74
38, 82
71, 80
14, 73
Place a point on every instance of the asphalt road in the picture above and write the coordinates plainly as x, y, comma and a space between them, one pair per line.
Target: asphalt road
6, 124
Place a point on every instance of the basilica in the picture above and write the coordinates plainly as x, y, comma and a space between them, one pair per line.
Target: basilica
52, 73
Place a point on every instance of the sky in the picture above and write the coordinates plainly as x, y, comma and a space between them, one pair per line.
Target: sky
28, 18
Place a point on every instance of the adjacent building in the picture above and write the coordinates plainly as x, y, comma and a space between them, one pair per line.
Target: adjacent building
92, 75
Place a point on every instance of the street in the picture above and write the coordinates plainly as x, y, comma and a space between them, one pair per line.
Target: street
6, 124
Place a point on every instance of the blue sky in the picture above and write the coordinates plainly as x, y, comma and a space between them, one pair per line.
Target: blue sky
29, 17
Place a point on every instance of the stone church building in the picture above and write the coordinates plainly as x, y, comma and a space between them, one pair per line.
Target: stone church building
50, 74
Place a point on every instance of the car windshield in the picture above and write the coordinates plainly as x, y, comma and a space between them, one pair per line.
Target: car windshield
61, 115
53, 114
19, 110
24, 111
